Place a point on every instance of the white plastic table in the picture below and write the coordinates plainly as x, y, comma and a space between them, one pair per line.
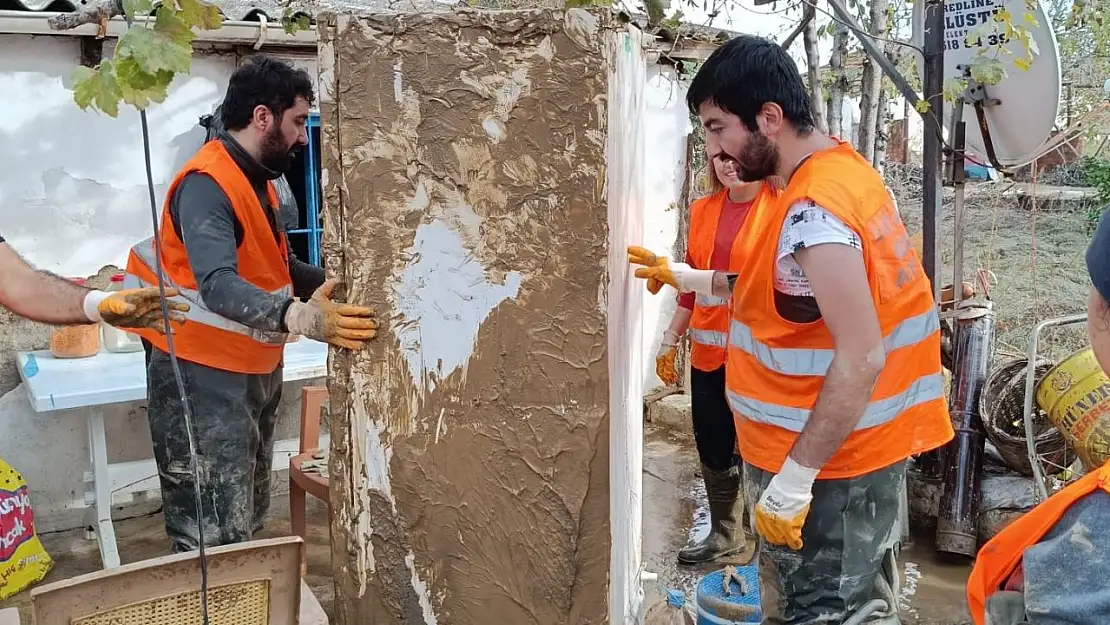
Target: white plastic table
109, 378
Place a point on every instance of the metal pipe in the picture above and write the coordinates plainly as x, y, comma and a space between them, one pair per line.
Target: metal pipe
958, 516
1041, 491
958, 178
932, 153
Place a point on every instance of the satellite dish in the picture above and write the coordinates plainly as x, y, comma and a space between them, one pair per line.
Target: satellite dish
1030, 99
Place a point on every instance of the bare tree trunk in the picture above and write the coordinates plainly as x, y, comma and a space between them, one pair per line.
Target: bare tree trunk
839, 84
882, 123
871, 86
813, 68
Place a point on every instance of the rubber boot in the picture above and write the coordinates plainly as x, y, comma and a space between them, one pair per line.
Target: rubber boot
726, 512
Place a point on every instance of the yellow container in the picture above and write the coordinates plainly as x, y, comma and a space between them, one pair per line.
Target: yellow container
1076, 396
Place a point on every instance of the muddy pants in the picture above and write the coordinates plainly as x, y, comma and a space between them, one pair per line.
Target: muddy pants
233, 421
849, 543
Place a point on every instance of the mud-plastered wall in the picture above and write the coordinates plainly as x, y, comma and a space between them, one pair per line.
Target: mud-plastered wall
465, 157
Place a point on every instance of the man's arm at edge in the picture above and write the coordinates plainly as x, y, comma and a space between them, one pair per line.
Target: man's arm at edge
39, 295
838, 278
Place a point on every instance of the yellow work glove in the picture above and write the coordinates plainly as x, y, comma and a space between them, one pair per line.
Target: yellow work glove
682, 277
342, 325
784, 504
654, 286
133, 308
664, 358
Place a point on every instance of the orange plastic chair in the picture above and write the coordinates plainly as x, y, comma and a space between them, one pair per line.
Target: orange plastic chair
302, 482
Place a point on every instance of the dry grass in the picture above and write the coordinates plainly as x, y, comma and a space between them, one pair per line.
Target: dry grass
1036, 256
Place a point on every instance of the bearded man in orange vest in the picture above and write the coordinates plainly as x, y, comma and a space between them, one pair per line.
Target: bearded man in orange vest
225, 250
833, 373
1049, 566
715, 221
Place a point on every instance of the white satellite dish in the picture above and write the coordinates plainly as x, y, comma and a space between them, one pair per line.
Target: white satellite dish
1030, 99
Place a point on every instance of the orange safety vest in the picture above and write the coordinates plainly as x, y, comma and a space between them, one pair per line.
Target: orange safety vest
776, 368
208, 338
999, 558
709, 321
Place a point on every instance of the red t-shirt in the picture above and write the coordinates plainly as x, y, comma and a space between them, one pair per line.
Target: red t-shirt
728, 226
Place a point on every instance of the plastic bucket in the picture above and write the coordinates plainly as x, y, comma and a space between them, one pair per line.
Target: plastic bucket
1076, 396
739, 605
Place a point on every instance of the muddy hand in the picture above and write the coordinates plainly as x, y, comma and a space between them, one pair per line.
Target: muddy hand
342, 325
140, 308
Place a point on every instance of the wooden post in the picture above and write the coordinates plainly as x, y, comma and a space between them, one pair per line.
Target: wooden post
482, 180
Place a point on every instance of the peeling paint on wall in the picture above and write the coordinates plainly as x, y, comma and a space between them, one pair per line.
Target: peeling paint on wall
466, 201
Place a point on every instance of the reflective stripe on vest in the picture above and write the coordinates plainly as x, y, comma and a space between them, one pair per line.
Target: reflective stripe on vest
198, 313
712, 338
801, 361
878, 412
710, 301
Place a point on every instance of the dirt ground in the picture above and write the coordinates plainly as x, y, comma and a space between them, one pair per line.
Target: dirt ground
1037, 257
932, 591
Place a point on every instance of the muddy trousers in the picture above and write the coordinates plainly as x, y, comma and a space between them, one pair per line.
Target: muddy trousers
233, 421
849, 543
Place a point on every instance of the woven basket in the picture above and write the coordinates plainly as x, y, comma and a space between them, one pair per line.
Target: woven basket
1002, 408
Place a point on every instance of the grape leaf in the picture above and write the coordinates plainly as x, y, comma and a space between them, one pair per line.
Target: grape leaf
138, 88
167, 46
199, 14
988, 71
97, 88
134, 8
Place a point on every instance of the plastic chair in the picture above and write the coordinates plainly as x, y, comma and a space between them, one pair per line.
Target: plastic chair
252, 582
302, 478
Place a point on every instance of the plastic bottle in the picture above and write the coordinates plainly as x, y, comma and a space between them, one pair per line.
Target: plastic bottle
77, 341
116, 340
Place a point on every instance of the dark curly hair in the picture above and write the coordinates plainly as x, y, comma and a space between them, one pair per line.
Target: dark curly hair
263, 80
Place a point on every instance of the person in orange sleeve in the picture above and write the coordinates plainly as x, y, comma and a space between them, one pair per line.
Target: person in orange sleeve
1049, 566
833, 373
714, 222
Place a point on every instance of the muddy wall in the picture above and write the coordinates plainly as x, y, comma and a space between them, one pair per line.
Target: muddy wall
467, 201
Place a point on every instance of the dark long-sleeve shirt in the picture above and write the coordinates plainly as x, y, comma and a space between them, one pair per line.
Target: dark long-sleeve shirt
204, 219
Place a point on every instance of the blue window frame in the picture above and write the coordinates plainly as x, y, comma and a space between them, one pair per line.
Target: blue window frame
312, 226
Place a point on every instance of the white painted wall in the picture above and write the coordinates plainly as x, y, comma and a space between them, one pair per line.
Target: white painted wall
666, 125
73, 198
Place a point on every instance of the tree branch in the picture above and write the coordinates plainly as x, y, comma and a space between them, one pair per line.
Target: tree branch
806, 17
98, 13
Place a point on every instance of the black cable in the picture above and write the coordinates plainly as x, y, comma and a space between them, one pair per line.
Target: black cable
176, 370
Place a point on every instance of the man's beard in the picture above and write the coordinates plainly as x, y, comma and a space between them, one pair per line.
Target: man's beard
759, 159
276, 155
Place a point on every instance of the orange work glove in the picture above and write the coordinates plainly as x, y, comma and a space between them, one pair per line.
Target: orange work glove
656, 269
134, 308
342, 325
783, 506
664, 358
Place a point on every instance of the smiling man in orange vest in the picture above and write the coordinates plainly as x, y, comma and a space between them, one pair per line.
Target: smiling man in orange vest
225, 250
1050, 565
833, 371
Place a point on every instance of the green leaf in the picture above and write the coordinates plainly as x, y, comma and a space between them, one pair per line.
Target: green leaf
167, 46
199, 14
988, 71
138, 88
134, 8
922, 106
293, 24
97, 88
